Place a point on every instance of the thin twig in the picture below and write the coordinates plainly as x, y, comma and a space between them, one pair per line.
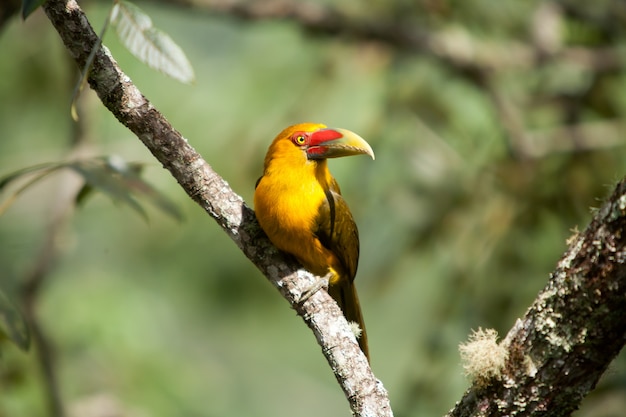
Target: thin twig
31, 288
62, 210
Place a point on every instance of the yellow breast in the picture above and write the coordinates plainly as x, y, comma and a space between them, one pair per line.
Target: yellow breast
286, 203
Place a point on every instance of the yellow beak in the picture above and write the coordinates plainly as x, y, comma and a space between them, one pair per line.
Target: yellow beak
335, 143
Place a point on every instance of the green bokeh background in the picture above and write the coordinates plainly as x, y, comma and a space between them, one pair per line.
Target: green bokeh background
168, 318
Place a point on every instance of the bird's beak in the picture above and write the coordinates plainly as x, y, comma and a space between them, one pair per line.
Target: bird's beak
334, 143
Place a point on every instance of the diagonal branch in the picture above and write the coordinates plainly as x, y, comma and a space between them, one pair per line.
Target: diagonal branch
365, 393
452, 46
571, 333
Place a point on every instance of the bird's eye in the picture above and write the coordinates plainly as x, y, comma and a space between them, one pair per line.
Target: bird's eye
299, 139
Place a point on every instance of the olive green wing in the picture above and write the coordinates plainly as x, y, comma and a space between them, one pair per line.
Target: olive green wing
337, 230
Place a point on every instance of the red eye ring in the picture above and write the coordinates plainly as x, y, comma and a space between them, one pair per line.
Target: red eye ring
299, 139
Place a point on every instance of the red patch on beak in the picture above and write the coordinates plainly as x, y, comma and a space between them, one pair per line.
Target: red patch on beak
323, 135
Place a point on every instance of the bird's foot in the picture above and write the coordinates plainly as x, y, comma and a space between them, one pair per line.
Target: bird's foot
319, 284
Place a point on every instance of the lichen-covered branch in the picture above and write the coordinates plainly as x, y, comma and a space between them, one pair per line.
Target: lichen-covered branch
571, 333
365, 393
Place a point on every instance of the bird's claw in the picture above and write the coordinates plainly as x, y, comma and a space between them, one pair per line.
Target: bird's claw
318, 285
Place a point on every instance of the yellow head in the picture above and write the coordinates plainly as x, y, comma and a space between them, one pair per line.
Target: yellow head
313, 141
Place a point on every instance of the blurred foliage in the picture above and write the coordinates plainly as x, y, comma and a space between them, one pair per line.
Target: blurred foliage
12, 324
150, 45
111, 175
492, 145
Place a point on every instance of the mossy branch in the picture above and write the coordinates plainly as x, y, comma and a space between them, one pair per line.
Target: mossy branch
556, 354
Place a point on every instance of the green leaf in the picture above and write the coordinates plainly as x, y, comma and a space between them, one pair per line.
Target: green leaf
150, 45
12, 176
110, 175
130, 174
97, 175
12, 323
43, 171
29, 6
82, 195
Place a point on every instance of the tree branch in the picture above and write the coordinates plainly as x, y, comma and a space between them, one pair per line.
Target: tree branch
454, 47
365, 393
61, 211
571, 333
474, 58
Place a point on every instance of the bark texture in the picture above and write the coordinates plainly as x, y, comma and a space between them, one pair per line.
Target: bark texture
571, 333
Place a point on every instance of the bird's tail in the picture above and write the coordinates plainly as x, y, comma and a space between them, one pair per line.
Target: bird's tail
344, 293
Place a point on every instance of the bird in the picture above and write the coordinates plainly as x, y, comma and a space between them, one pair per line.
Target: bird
299, 206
